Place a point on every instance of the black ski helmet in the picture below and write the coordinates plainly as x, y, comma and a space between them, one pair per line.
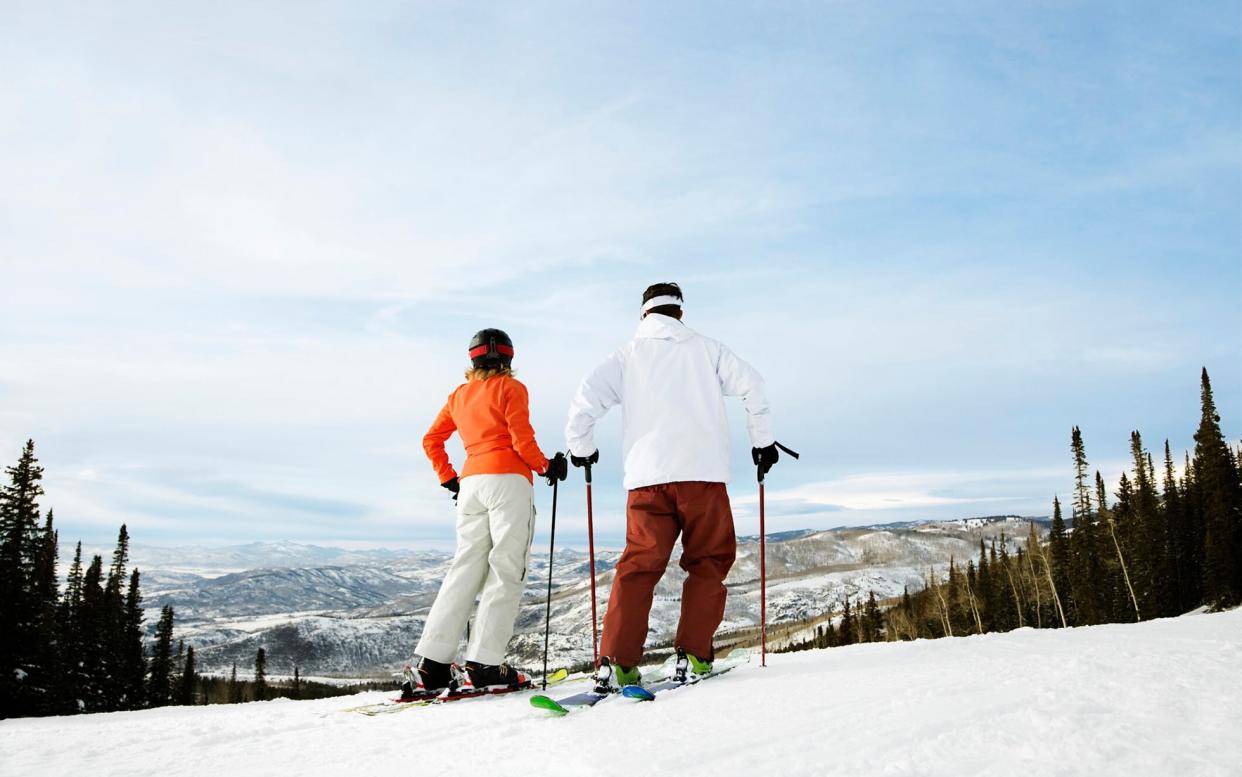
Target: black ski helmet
491, 348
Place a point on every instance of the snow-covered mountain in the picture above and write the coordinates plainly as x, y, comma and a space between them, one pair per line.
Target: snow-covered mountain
1132, 700
364, 618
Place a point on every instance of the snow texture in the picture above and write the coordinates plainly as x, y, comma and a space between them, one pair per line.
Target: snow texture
1157, 698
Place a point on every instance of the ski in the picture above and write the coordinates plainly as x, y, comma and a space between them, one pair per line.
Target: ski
681, 676
424, 700
565, 705
649, 692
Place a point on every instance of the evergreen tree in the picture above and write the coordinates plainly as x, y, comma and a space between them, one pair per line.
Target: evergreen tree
1219, 502
295, 692
92, 673
1059, 556
1178, 539
235, 688
846, 631
1147, 537
133, 664
47, 673
1086, 571
260, 675
71, 637
189, 679
115, 659
1117, 595
1010, 613
159, 684
20, 543
873, 621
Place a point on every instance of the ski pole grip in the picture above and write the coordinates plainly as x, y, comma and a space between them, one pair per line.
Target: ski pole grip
587, 467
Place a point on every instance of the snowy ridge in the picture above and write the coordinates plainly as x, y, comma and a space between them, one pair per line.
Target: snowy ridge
1132, 700
365, 619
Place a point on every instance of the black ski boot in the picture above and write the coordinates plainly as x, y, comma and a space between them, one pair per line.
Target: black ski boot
494, 676
428, 679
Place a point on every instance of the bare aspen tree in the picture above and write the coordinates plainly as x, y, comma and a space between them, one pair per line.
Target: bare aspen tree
1125, 573
1056, 597
1032, 545
1017, 601
974, 610
944, 608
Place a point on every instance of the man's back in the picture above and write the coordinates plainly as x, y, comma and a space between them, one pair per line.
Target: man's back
671, 383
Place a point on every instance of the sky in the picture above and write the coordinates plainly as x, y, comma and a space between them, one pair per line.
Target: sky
243, 247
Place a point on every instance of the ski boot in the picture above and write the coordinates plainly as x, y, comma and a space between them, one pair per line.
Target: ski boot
428, 679
690, 666
610, 678
493, 677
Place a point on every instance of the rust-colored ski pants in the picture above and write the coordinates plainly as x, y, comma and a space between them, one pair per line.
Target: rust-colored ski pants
655, 515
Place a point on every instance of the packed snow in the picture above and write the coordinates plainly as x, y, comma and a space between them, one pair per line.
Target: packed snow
1157, 698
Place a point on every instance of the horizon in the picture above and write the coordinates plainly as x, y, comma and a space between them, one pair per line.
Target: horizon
244, 251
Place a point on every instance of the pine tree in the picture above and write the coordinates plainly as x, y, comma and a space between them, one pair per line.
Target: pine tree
1151, 569
20, 543
296, 691
260, 675
1086, 572
1117, 593
114, 643
47, 671
92, 672
1178, 539
69, 627
1219, 501
235, 688
1059, 552
159, 684
873, 621
133, 663
189, 679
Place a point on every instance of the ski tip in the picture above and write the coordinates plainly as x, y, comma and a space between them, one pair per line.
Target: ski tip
558, 675
548, 703
637, 692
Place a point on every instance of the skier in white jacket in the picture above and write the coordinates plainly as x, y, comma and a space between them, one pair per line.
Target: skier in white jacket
671, 383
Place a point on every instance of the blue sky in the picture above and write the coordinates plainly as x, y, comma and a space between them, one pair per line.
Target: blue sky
244, 249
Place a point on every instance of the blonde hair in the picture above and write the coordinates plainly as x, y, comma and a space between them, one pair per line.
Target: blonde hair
483, 373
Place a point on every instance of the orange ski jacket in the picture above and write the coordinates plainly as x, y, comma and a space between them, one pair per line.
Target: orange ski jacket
493, 418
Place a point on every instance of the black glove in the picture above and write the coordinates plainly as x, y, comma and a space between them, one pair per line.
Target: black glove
582, 461
452, 485
765, 457
558, 469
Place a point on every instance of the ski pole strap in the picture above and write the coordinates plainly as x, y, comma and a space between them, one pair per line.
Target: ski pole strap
786, 450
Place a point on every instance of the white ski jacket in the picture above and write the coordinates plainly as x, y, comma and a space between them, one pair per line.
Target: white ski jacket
671, 383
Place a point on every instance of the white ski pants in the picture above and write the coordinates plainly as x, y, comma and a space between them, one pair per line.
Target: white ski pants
495, 524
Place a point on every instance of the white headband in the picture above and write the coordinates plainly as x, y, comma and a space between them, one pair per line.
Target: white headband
656, 302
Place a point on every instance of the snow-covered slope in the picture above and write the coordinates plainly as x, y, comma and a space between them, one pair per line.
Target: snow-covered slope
1158, 698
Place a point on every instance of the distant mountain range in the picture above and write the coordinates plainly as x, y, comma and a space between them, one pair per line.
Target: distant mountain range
359, 613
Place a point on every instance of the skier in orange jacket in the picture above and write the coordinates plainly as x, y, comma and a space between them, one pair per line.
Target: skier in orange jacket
495, 518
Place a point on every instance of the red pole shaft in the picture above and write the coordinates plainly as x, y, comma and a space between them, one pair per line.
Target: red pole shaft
763, 583
591, 548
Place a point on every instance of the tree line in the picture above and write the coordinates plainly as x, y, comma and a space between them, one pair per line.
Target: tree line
1164, 544
80, 647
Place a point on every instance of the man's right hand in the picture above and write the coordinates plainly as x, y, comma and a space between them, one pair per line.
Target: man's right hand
452, 485
582, 461
765, 457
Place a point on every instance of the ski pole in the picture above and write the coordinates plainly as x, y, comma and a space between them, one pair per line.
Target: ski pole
763, 566
763, 578
591, 550
547, 621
